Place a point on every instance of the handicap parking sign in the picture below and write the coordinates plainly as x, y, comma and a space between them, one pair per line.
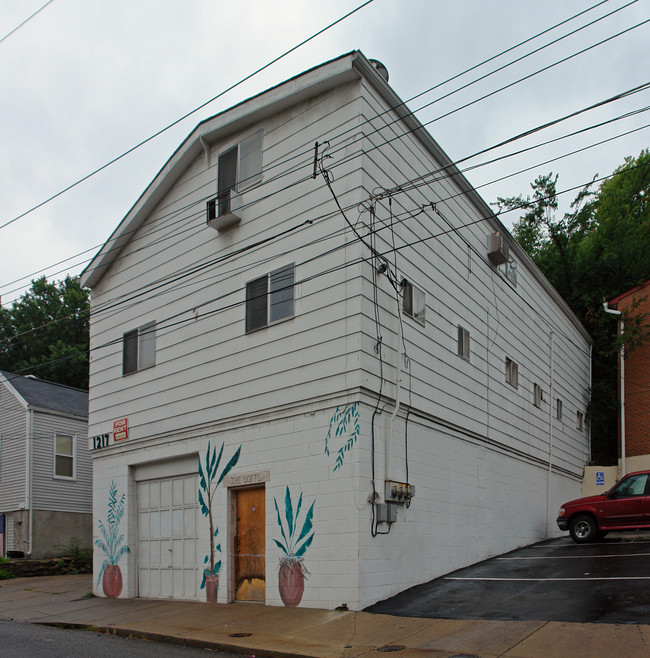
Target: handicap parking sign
600, 478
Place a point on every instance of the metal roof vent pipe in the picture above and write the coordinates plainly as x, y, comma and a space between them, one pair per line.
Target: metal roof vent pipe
381, 69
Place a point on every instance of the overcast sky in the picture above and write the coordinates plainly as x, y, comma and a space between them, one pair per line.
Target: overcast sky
85, 80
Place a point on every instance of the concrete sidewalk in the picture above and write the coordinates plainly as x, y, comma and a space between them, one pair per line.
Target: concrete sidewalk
260, 630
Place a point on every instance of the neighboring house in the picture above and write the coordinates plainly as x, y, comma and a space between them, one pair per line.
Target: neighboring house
635, 449
370, 383
45, 467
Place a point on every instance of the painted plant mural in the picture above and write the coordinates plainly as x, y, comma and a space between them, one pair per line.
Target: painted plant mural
208, 483
111, 543
344, 426
294, 544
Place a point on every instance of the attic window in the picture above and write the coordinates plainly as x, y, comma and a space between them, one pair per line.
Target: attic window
238, 168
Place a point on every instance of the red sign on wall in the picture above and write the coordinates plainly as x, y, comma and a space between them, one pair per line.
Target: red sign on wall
121, 429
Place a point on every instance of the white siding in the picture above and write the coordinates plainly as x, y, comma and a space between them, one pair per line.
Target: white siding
59, 494
478, 449
13, 430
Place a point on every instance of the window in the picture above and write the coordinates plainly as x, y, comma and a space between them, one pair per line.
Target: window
558, 409
269, 299
414, 304
238, 168
463, 343
634, 485
512, 373
580, 420
139, 348
64, 445
509, 269
538, 395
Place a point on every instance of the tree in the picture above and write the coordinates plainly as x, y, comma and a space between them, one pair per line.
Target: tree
599, 249
46, 333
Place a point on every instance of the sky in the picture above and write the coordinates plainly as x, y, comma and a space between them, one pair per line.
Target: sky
84, 81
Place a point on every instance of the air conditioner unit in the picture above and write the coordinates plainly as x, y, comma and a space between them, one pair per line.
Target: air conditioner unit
224, 211
498, 251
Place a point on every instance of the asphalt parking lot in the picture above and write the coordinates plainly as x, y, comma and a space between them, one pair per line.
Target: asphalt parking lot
558, 580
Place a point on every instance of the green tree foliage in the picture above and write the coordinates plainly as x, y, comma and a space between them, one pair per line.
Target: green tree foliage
45, 333
596, 251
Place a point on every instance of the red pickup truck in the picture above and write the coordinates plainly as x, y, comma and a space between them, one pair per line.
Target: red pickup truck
626, 506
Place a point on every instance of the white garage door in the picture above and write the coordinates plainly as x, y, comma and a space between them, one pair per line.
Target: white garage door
168, 561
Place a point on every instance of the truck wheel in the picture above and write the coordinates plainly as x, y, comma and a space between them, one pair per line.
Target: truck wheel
583, 528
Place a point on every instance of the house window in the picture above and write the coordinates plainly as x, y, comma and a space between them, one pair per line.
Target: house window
538, 395
64, 456
139, 348
270, 298
558, 409
512, 373
509, 269
580, 420
414, 304
463, 343
238, 168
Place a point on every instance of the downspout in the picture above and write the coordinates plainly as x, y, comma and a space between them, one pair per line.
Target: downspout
550, 435
622, 382
398, 379
28, 479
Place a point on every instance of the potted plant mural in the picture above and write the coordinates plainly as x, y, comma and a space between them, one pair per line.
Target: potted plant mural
111, 543
208, 483
291, 579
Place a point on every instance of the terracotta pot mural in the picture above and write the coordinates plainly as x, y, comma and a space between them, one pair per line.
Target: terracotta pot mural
291, 582
111, 543
211, 588
112, 581
296, 539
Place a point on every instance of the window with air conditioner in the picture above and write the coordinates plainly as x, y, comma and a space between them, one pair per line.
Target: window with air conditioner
414, 302
139, 348
238, 168
270, 298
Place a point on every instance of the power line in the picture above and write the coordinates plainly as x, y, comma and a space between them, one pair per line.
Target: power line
29, 18
285, 159
185, 116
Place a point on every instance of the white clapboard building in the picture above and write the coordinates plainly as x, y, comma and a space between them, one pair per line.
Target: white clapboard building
322, 371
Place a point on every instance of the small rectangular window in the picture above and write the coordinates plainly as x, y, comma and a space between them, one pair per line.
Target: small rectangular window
139, 348
580, 420
226, 179
64, 456
558, 409
463, 343
414, 304
509, 269
270, 298
538, 395
512, 373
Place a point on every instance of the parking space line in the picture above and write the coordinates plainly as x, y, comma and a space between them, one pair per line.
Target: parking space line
551, 579
573, 557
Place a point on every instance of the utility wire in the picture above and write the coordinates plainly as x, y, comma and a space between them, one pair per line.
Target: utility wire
476, 66
29, 18
185, 116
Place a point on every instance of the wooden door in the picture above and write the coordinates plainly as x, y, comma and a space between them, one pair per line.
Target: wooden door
250, 545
